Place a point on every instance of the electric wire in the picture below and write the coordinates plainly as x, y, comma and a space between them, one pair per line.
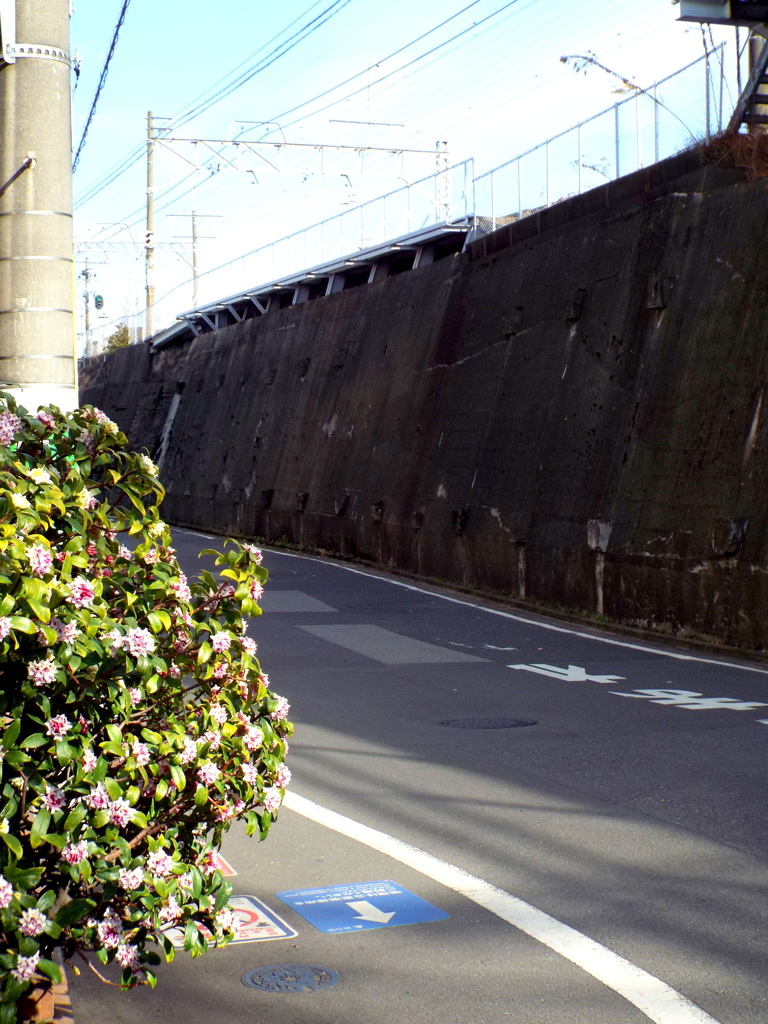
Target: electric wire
102, 81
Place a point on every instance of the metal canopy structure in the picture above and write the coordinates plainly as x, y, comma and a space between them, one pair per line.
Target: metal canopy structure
365, 266
744, 13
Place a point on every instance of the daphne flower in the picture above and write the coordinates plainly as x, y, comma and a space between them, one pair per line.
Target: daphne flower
73, 853
5, 626
124, 552
134, 695
41, 672
25, 965
120, 812
159, 863
140, 753
256, 590
89, 760
58, 726
6, 893
38, 475
254, 737
253, 553
127, 955
131, 879
171, 911
110, 929
228, 921
282, 776
10, 424
221, 641
250, 773
98, 798
181, 589
213, 738
219, 713
46, 419
32, 922
139, 641
54, 799
66, 632
86, 499
81, 592
271, 798
208, 773
147, 465
189, 753
249, 646
281, 711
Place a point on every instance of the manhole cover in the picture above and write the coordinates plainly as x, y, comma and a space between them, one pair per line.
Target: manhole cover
288, 978
487, 723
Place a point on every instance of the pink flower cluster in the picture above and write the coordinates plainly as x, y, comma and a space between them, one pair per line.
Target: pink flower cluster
138, 642
58, 726
40, 560
131, 879
73, 853
208, 773
5, 626
281, 711
54, 799
6, 893
32, 922
25, 965
221, 641
81, 592
159, 863
42, 673
10, 424
65, 632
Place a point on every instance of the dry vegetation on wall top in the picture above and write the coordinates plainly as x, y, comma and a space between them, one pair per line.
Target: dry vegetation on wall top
733, 149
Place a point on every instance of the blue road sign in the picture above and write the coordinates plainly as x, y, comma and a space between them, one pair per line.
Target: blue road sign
351, 908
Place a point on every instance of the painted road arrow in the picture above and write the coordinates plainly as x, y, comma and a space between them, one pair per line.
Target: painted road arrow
367, 912
571, 674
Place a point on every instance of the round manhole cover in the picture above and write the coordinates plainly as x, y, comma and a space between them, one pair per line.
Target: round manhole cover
288, 978
487, 723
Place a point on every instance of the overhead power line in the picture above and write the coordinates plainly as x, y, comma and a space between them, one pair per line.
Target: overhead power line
102, 80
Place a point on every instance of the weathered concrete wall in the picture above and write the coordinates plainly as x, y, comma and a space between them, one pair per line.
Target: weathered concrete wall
571, 413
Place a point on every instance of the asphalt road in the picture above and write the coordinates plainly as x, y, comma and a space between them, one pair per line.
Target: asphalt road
571, 825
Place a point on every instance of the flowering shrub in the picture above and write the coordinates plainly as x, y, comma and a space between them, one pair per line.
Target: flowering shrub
137, 723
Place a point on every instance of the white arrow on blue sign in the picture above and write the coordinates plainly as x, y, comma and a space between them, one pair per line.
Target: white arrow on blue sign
360, 905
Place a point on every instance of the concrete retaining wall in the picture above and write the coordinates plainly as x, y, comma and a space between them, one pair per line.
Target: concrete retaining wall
571, 413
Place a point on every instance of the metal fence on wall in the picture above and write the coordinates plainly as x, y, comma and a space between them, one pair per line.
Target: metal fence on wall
681, 110
647, 125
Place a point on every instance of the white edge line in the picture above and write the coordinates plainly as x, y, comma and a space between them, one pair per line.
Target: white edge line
657, 1000
527, 621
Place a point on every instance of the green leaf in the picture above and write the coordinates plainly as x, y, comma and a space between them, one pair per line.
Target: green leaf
22, 624
113, 789
178, 776
155, 622
13, 844
75, 816
201, 795
222, 896
50, 970
40, 827
37, 739
46, 901
42, 611
65, 752
204, 654
11, 734
73, 911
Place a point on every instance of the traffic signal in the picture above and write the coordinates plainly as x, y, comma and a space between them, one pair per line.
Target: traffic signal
98, 301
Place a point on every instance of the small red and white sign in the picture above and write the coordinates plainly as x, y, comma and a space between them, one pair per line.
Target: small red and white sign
258, 923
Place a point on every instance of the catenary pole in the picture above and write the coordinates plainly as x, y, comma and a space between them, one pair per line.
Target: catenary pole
38, 363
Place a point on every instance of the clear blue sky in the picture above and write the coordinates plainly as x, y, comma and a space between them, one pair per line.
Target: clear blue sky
489, 81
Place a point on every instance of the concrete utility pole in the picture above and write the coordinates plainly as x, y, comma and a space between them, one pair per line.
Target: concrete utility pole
38, 361
149, 241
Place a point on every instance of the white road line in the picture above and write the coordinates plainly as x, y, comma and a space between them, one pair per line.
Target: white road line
659, 1002
679, 656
